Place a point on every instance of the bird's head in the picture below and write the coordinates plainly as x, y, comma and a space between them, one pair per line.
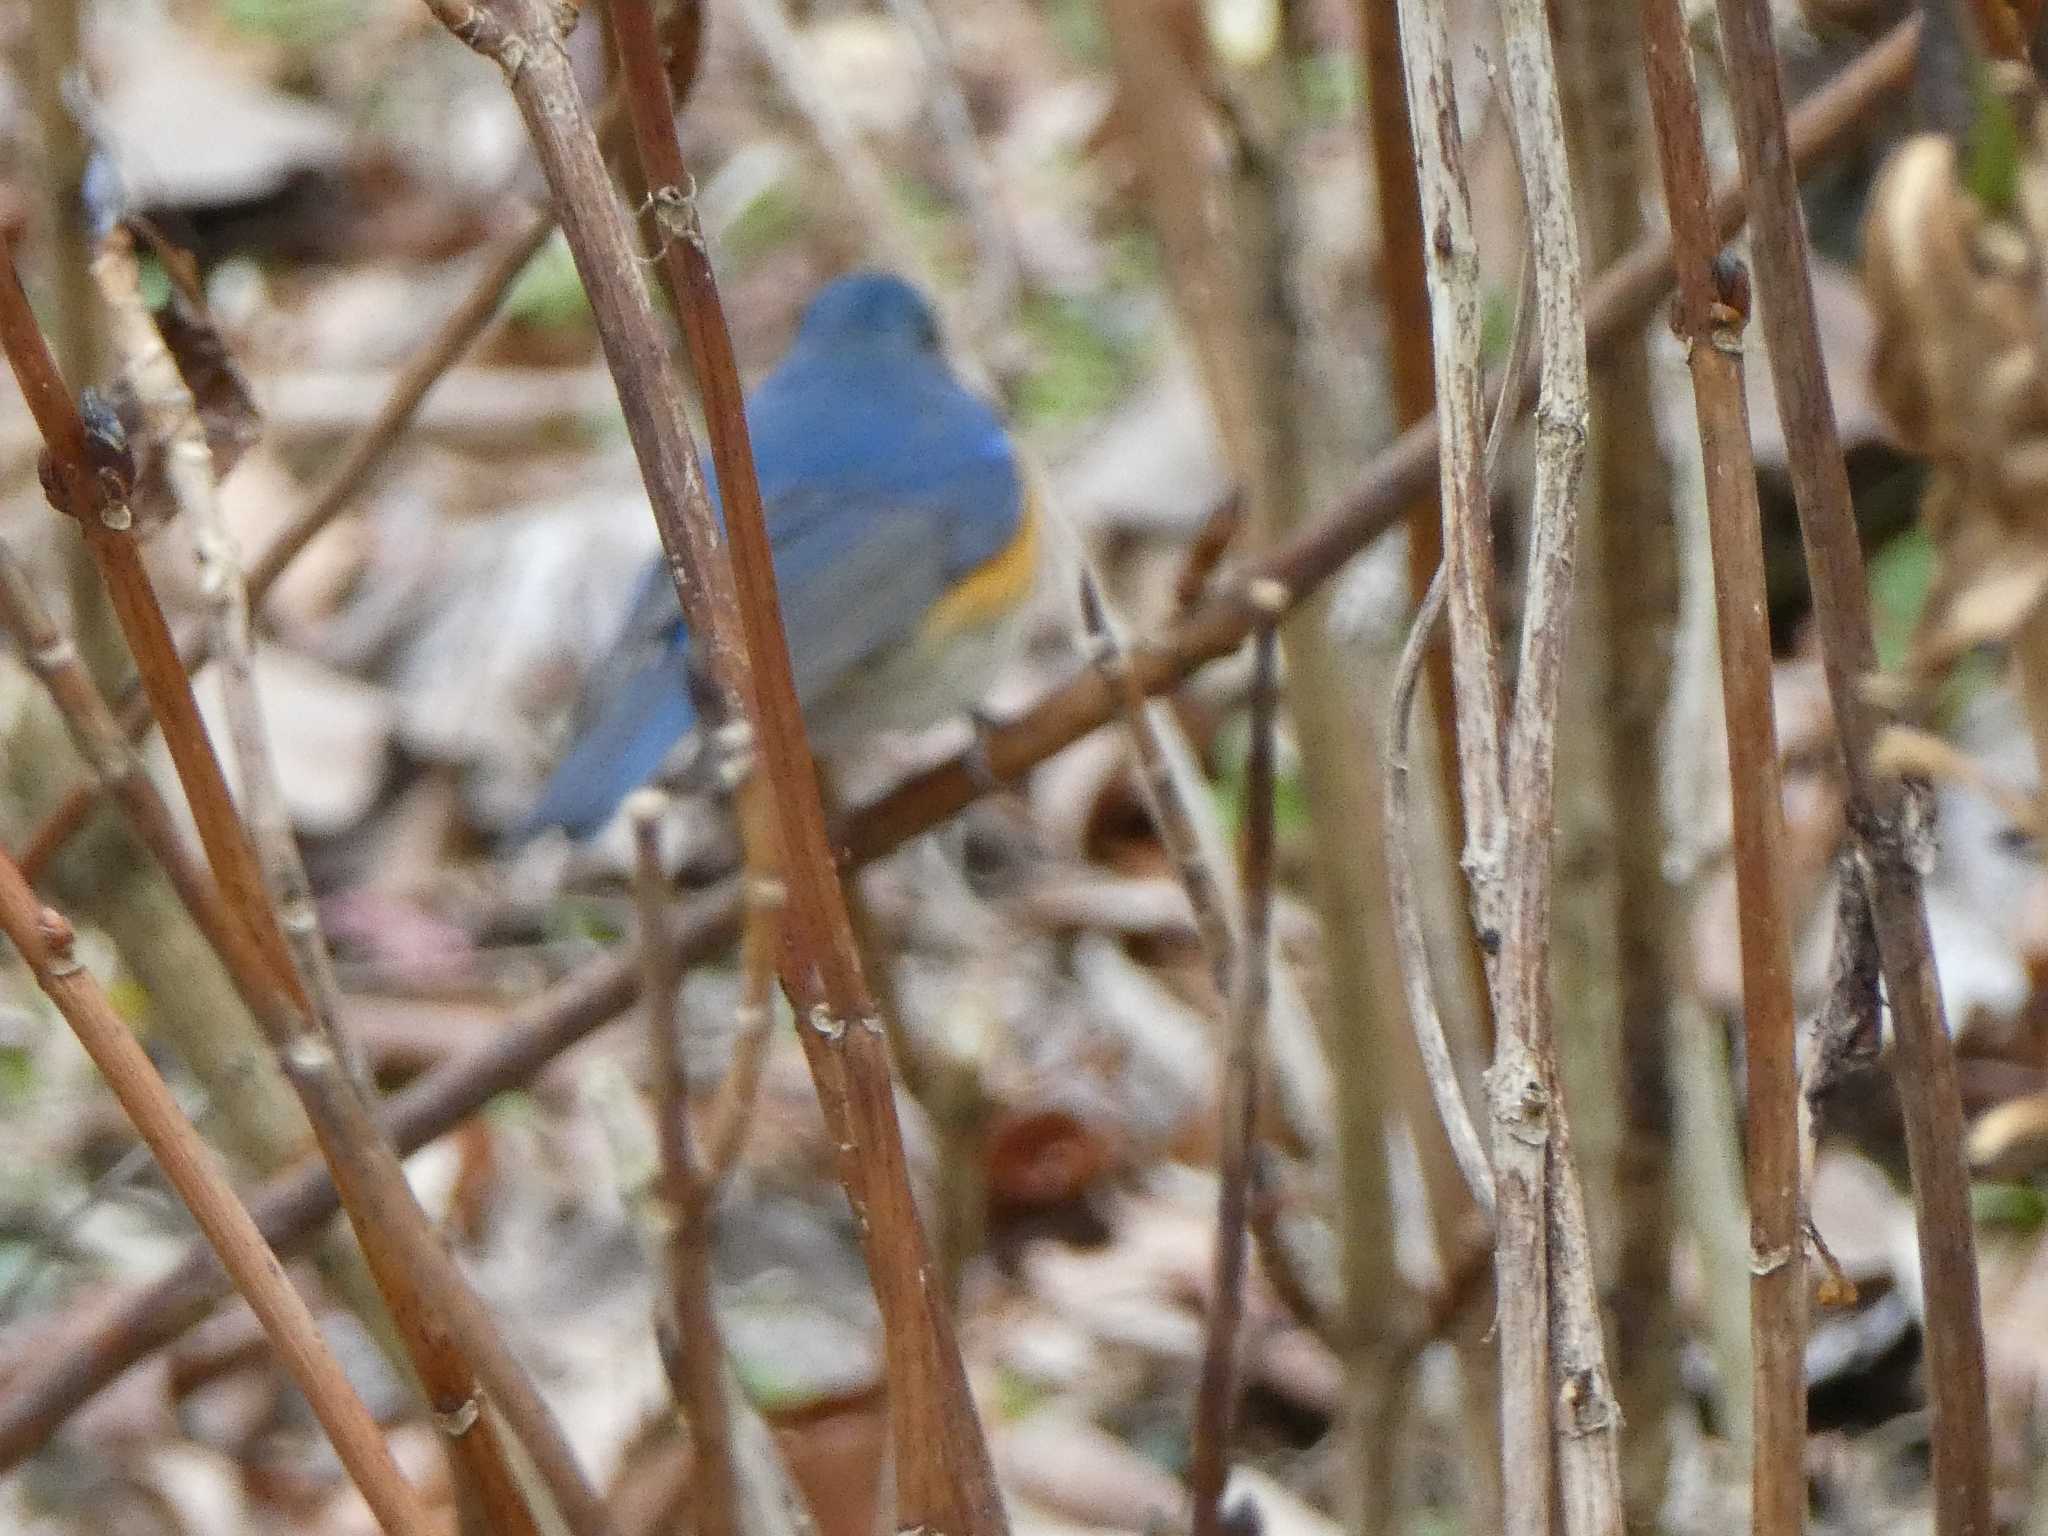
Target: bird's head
869, 309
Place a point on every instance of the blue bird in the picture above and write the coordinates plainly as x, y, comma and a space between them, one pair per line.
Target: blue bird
905, 543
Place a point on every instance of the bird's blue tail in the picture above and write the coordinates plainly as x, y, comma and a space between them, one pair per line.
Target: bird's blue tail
639, 727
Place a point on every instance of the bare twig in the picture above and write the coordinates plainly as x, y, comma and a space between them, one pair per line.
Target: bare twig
1453, 267
1548, 1317
1404, 295
359, 460
1523, 1081
1522, 1267
1887, 819
1167, 807
168, 407
943, 1475
726, 1121
1837, 114
1437, 1062
80, 1357
1001, 276
44, 940
85, 474
1710, 312
463, 328
1431, 1041
1205, 552
1237, 1107
855, 168
696, 1351
115, 767
1181, 812
230, 638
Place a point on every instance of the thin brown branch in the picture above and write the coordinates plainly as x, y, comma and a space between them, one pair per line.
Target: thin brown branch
85, 474
943, 1475
1170, 785
1206, 550
726, 1121
1237, 1106
1709, 315
695, 1353
1886, 818
1171, 816
115, 767
463, 328
172, 418
85, 1355
44, 940
169, 403
1001, 271
343, 484
1837, 114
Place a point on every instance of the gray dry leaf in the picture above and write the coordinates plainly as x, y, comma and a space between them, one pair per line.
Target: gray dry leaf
1077, 1470
1155, 466
491, 624
870, 66
187, 131
1983, 884
1848, 339
330, 737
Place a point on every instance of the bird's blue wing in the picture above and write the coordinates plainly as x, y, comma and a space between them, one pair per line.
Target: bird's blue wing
854, 583
843, 600
633, 729
884, 485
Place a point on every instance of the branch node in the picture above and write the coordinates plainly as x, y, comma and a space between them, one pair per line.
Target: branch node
459, 1420
675, 215
54, 656
733, 753
1521, 1101
309, 1055
1896, 836
55, 930
1270, 597
1768, 1261
1589, 1405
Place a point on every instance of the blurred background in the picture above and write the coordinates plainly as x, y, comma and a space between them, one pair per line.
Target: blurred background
343, 172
